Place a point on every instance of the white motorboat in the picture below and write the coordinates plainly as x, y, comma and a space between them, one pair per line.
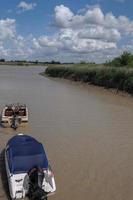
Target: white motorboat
28, 169
14, 115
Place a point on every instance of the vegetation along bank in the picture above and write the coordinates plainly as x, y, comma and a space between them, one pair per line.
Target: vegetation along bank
107, 75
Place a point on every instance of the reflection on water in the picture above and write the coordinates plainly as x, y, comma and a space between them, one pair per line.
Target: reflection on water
87, 133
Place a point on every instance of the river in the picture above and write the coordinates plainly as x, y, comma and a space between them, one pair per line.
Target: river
87, 133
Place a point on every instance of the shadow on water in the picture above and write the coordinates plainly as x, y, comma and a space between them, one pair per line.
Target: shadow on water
3, 182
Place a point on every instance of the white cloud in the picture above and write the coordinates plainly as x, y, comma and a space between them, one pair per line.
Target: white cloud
88, 31
87, 35
7, 29
99, 32
63, 16
81, 33
23, 6
90, 35
92, 16
11, 43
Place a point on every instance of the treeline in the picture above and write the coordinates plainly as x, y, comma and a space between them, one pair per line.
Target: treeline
2, 60
33, 62
125, 60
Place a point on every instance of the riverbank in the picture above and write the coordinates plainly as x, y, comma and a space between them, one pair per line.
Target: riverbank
109, 77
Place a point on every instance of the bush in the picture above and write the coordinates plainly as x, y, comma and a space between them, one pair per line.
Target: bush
126, 59
128, 85
109, 77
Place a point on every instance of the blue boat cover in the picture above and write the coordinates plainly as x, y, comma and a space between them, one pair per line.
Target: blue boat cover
24, 152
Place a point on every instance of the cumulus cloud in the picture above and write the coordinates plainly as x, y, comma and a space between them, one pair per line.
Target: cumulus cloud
92, 16
23, 6
68, 40
7, 29
100, 33
88, 31
63, 16
7, 35
11, 43
89, 35
83, 34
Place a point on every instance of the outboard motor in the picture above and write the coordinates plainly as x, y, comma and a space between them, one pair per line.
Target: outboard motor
15, 122
36, 176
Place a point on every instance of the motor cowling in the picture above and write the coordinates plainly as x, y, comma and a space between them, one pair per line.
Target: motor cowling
36, 176
15, 122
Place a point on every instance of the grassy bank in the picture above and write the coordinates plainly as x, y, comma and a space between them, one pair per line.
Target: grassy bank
109, 77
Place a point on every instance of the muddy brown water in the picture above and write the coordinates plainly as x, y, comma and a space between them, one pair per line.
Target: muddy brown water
87, 133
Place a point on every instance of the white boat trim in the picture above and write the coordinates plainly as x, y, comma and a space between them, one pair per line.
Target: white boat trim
19, 185
6, 120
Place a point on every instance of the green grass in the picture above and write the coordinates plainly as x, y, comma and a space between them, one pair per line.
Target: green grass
109, 77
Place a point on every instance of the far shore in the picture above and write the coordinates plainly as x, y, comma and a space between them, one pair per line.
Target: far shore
20, 63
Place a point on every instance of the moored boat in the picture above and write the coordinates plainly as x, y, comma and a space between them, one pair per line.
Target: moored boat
14, 115
28, 169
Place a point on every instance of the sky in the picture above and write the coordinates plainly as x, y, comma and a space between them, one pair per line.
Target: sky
66, 31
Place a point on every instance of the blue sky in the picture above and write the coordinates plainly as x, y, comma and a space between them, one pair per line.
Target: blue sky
69, 30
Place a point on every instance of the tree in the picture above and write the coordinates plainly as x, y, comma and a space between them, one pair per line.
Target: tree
2, 60
125, 58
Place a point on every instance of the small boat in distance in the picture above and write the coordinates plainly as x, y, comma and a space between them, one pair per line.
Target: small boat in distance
14, 115
28, 169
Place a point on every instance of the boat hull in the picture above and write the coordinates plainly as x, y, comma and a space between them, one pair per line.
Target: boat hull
9, 111
19, 182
